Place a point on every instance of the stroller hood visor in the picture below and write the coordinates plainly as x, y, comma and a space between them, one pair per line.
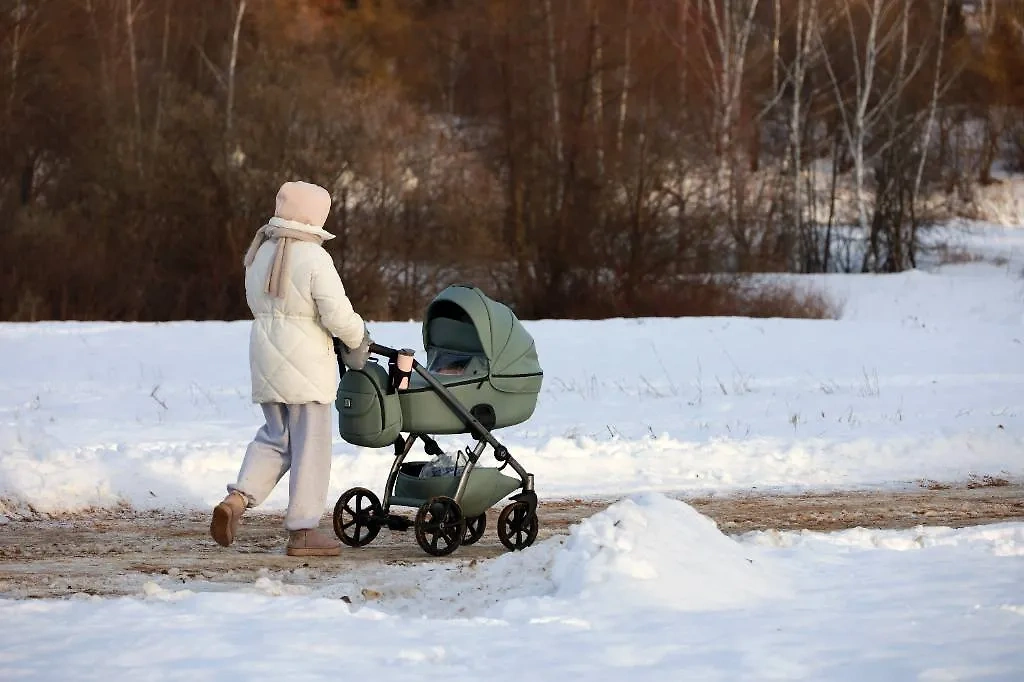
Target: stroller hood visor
462, 318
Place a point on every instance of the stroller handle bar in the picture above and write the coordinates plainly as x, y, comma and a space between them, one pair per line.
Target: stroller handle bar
387, 352
475, 427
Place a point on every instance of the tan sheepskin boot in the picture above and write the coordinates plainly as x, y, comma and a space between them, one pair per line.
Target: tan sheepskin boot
312, 543
226, 517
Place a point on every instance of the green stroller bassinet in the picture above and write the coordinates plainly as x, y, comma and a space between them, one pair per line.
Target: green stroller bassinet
482, 374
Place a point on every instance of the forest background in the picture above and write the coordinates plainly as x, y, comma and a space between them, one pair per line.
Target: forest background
575, 158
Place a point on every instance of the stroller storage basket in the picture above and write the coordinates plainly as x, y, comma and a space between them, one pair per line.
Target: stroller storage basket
486, 487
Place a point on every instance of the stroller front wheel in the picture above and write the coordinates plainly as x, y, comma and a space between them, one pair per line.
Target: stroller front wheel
440, 526
357, 517
517, 527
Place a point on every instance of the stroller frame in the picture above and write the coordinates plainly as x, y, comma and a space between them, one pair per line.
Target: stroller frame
440, 525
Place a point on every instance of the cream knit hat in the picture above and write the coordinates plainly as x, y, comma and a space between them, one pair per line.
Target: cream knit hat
302, 209
303, 202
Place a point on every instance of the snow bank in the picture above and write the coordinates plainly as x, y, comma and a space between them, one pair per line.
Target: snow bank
653, 551
646, 552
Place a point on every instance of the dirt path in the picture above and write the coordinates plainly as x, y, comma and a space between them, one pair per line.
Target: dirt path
112, 553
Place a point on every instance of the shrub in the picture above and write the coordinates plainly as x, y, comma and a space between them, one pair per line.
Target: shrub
703, 296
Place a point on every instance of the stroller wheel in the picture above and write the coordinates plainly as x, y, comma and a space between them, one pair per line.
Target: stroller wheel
357, 517
517, 527
440, 526
475, 527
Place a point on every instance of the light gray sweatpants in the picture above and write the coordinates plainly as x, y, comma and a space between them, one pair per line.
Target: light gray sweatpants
295, 437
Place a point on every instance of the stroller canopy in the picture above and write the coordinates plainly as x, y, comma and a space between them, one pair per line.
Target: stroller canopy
463, 318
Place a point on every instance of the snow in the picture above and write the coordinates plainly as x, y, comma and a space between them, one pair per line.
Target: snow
921, 378
602, 604
999, 539
643, 549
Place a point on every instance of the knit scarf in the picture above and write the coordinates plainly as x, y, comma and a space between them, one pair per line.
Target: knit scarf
279, 269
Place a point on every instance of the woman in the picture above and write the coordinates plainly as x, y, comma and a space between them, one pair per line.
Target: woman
298, 303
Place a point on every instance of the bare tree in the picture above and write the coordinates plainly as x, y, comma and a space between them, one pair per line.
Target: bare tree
19, 18
597, 84
626, 77
130, 10
804, 54
865, 99
579, 157
233, 63
553, 86
939, 81
162, 76
733, 25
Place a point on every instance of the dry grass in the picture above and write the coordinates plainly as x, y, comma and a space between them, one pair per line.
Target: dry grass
986, 481
929, 484
946, 254
790, 301
705, 296
953, 255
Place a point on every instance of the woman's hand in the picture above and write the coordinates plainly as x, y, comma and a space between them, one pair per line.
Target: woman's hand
355, 358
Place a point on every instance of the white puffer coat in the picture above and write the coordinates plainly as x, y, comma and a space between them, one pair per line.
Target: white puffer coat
291, 353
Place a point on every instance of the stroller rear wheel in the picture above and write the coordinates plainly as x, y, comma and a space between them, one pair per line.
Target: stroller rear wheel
440, 526
475, 527
357, 517
517, 527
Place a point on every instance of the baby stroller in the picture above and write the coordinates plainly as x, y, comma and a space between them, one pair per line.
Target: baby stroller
482, 374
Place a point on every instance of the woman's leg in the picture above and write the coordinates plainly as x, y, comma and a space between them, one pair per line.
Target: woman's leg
309, 427
268, 456
266, 461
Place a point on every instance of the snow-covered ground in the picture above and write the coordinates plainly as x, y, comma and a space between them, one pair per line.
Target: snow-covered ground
647, 589
921, 378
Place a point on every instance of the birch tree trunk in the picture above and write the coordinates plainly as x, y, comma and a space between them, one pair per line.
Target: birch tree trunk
16, 36
806, 21
106, 85
129, 17
164, 44
854, 115
627, 50
732, 26
232, 64
777, 41
556, 106
933, 105
597, 85
732, 30
933, 102
864, 85
869, 121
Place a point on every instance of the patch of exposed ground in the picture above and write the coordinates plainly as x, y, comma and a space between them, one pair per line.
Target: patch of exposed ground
117, 552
